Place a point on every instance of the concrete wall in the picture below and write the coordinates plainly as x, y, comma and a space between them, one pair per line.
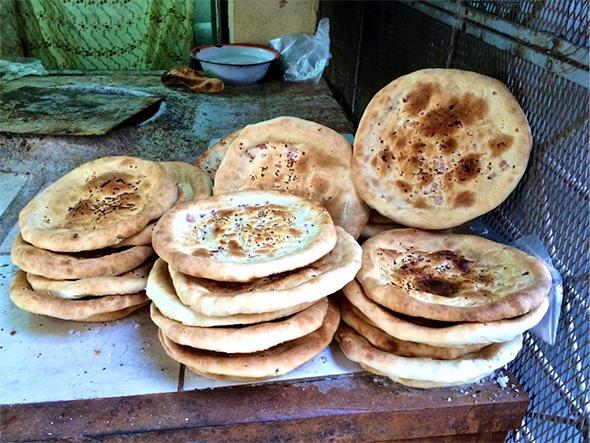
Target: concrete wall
258, 21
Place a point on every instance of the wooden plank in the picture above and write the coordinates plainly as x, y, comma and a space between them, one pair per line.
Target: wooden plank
352, 407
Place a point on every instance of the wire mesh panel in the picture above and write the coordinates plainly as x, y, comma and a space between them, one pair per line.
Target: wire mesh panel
562, 18
552, 202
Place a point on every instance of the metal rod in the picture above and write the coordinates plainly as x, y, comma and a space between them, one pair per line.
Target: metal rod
562, 58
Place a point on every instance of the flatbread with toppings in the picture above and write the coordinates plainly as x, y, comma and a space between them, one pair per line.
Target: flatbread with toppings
210, 160
85, 264
278, 291
110, 307
260, 365
296, 156
451, 277
244, 235
426, 372
160, 290
98, 204
439, 147
243, 339
438, 333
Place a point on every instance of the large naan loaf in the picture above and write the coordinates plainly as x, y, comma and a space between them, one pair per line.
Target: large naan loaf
244, 235
300, 157
451, 277
98, 204
439, 147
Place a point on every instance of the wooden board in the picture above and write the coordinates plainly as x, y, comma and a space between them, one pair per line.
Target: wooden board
356, 407
69, 111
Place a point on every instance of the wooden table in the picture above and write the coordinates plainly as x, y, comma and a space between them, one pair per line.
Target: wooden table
355, 407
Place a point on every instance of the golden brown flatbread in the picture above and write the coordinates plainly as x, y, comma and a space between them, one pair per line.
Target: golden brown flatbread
192, 182
300, 157
387, 343
160, 290
243, 339
210, 160
428, 372
192, 80
451, 277
61, 266
438, 333
128, 283
275, 292
97, 309
244, 235
98, 204
142, 238
439, 147
258, 365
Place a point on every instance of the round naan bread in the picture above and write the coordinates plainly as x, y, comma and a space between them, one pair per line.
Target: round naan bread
128, 283
192, 182
439, 147
244, 235
278, 291
384, 342
296, 156
210, 160
85, 264
98, 204
110, 307
160, 290
429, 372
451, 277
259, 365
438, 333
243, 339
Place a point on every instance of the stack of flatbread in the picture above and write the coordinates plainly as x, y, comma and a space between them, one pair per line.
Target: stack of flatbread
240, 289
433, 309
84, 248
291, 155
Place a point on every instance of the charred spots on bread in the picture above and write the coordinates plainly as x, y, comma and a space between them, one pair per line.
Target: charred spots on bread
405, 187
459, 112
419, 98
437, 286
468, 167
465, 199
105, 194
500, 143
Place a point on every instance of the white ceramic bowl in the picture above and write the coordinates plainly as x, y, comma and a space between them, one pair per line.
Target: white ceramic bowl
236, 64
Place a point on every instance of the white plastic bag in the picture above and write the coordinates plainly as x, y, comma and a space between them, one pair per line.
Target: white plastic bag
304, 57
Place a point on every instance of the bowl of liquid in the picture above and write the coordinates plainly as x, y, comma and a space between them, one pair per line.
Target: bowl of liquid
235, 63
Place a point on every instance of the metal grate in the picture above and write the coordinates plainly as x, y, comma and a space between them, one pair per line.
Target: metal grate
558, 17
551, 201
